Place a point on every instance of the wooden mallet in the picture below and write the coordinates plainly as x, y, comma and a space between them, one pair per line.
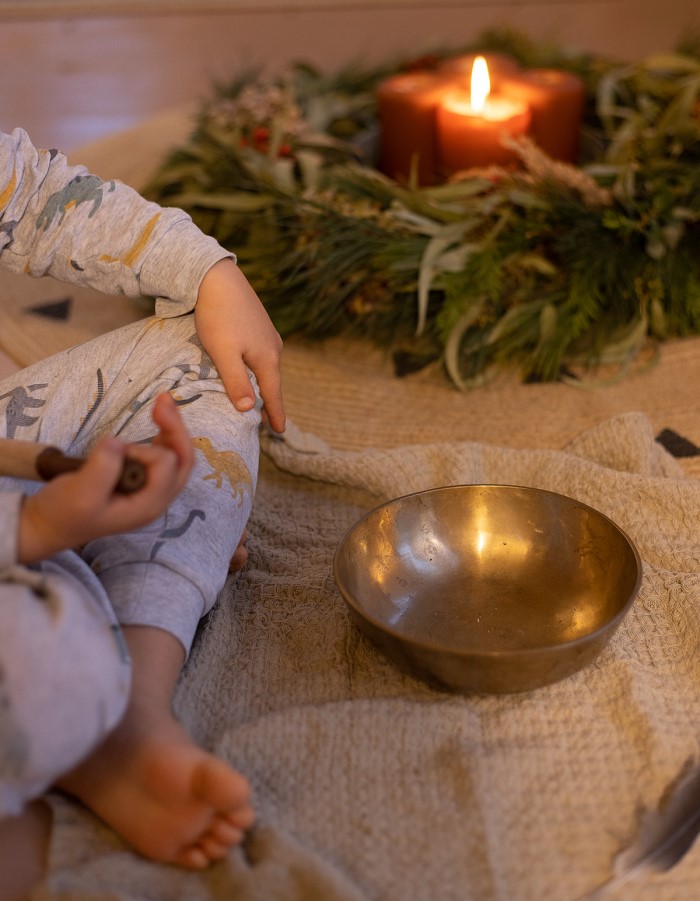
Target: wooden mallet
29, 460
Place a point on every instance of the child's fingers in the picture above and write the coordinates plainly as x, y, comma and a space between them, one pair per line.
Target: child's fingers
270, 385
172, 432
103, 467
238, 385
165, 477
83, 505
240, 389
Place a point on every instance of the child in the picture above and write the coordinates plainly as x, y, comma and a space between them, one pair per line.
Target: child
93, 640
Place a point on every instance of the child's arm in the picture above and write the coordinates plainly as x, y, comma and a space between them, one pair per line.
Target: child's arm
236, 331
77, 507
60, 220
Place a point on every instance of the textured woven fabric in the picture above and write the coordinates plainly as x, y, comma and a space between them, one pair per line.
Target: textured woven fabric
371, 784
346, 393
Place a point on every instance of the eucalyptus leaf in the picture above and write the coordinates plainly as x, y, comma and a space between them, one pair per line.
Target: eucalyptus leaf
671, 62
526, 200
685, 214
603, 170
657, 318
512, 319
454, 342
655, 247
430, 266
548, 324
237, 202
282, 172
629, 343
538, 263
311, 166
420, 224
457, 191
680, 110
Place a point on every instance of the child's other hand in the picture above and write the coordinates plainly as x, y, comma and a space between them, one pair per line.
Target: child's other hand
236, 332
77, 507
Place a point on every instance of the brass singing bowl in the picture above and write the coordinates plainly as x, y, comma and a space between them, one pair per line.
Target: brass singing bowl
488, 588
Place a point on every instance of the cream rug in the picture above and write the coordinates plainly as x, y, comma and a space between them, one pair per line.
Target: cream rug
371, 785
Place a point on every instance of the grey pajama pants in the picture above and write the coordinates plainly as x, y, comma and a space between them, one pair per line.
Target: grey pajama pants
64, 670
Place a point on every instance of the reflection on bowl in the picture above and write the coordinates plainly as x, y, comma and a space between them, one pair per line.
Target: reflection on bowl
488, 588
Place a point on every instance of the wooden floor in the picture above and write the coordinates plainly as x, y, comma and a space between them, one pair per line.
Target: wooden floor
7, 366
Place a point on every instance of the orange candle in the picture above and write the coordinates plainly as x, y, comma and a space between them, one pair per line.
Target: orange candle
406, 105
471, 126
556, 100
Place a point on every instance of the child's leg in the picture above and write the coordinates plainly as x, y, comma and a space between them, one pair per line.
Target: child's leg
64, 682
150, 782
162, 579
169, 573
64, 674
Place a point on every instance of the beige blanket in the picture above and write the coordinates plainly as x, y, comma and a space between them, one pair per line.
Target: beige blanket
371, 785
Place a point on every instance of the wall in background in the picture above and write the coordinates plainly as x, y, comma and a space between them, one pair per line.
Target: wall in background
24, 8
72, 78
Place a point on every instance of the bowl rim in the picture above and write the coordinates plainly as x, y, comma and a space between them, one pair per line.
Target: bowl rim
493, 654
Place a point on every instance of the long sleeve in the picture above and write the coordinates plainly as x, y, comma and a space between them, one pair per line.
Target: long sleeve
60, 220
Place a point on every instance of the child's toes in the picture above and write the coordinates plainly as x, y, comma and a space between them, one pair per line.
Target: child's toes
193, 858
213, 849
242, 818
225, 832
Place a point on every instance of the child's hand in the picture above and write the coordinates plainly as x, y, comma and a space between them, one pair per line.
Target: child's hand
236, 332
77, 507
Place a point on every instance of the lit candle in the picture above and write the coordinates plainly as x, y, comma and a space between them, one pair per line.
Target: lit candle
406, 105
556, 100
471, 126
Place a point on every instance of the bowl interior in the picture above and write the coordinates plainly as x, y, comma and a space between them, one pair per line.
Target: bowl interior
487, 568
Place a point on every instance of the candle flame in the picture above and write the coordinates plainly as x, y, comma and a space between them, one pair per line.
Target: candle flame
481, 84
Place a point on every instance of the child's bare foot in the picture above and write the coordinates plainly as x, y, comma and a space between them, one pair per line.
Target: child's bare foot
164, 795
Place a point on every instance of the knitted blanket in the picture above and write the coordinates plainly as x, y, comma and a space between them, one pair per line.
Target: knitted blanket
368, 783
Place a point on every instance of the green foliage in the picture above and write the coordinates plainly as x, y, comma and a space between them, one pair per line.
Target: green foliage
548, 268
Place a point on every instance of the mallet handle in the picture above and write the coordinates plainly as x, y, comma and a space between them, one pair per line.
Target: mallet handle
29, 460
